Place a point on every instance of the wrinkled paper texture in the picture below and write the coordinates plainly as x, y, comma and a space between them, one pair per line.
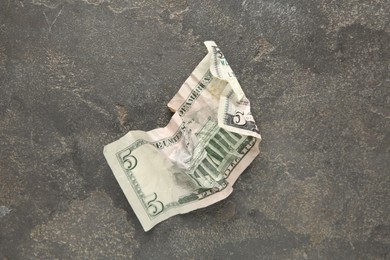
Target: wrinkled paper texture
193, 161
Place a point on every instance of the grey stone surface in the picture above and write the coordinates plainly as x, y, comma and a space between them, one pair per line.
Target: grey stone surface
78, 74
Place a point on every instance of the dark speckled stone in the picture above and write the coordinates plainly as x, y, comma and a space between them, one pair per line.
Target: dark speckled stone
78, 74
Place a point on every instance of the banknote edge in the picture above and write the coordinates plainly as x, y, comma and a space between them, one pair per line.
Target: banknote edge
147, 223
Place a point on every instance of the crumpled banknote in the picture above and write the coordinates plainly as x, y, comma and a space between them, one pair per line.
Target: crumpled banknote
193, 161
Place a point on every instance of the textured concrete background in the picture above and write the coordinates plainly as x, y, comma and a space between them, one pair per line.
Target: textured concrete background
78, 74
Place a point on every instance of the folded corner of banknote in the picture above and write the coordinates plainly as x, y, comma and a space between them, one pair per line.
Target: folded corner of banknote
194, 161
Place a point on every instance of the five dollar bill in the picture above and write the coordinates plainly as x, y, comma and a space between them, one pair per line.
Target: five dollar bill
193, 161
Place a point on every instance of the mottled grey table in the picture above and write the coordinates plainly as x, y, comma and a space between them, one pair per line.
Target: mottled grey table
78, 74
